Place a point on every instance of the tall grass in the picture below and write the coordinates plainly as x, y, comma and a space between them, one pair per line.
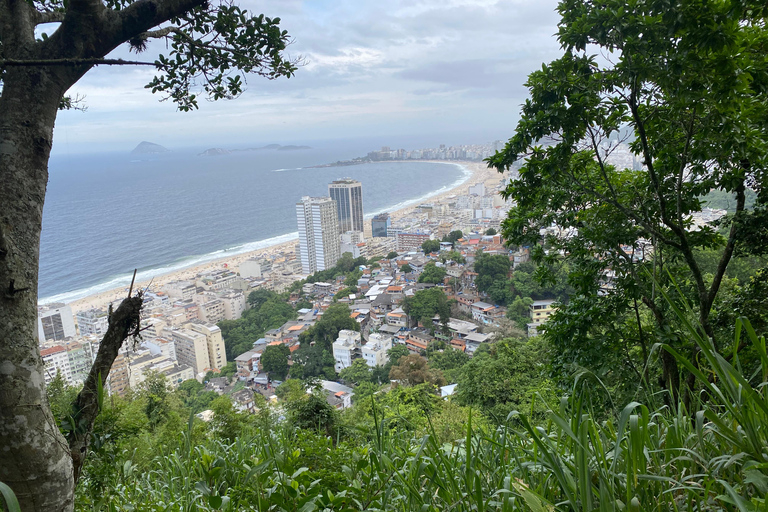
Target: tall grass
715, 458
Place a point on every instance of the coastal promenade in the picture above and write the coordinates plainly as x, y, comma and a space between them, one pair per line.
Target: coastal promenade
479, 173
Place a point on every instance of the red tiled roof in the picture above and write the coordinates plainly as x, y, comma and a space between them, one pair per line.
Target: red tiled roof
52, 350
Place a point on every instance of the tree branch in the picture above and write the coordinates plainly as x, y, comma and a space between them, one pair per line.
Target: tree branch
727, 252
49, 17
123, 322
141, 16
7, 63
17, 27
677, 229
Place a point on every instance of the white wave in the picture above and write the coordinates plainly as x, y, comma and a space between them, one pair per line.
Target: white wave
292, 169
124, 280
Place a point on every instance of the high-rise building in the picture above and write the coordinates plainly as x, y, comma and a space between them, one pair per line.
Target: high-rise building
348, 194
192, 350
92, 321
56, 361
380, 224
319, 244
217, 354
55, 322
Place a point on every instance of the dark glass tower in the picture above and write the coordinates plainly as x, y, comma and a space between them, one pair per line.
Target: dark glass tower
348, 194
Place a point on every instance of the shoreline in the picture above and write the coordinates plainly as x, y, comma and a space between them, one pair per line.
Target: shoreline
478, 172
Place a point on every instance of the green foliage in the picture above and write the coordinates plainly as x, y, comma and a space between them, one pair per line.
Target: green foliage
157, 398
344, 267
452, 256
391, 255
491, 269
542, 281
446, 359
721, 200
519, 311
313, 361
357, 373
9, 498
453, 236
274, 360
326, 330
61, 396
413, 370
394, 355
426, 304
227, 422
509, 377
411, 450
430, 246
345, 292
407, 269
291, 390
229, 370
214, 48
268, 311
352, 278
490, 232
313, 412
303, 304
741, 268
194, 396
432, 274
691, 104
257, 298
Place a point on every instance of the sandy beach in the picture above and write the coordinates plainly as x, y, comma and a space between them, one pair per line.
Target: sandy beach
480, 173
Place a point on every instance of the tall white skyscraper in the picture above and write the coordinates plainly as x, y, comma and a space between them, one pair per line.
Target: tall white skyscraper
348, 194
319, 242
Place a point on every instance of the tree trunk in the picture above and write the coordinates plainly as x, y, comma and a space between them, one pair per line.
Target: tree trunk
34, 457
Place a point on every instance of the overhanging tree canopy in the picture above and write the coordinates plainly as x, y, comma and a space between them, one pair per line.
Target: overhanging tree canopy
684, 83
212, 46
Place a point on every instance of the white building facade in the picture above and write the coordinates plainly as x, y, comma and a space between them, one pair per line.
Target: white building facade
319, 244
375, 351
346, 349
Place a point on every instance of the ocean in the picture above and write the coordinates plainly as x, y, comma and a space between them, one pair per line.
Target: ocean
108, 213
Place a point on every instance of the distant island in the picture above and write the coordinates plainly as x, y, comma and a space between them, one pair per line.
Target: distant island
146, 148
276, 147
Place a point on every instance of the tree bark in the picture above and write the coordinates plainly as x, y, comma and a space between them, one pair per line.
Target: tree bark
123, 322
34, 457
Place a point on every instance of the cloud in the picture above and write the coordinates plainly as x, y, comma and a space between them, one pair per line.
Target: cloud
371, 68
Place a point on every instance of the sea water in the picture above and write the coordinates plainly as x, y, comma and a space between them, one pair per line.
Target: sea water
106, 214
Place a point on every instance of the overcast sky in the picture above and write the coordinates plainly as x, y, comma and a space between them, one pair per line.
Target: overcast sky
382, 70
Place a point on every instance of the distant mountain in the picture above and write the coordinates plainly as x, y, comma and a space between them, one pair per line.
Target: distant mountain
214, 152
276, 147
145, 148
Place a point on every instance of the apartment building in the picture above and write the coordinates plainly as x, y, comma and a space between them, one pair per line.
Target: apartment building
217, 355
346, 349
375, 351
92, 321
55, 322
540, 312
319, 243
192, 350
55, 361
